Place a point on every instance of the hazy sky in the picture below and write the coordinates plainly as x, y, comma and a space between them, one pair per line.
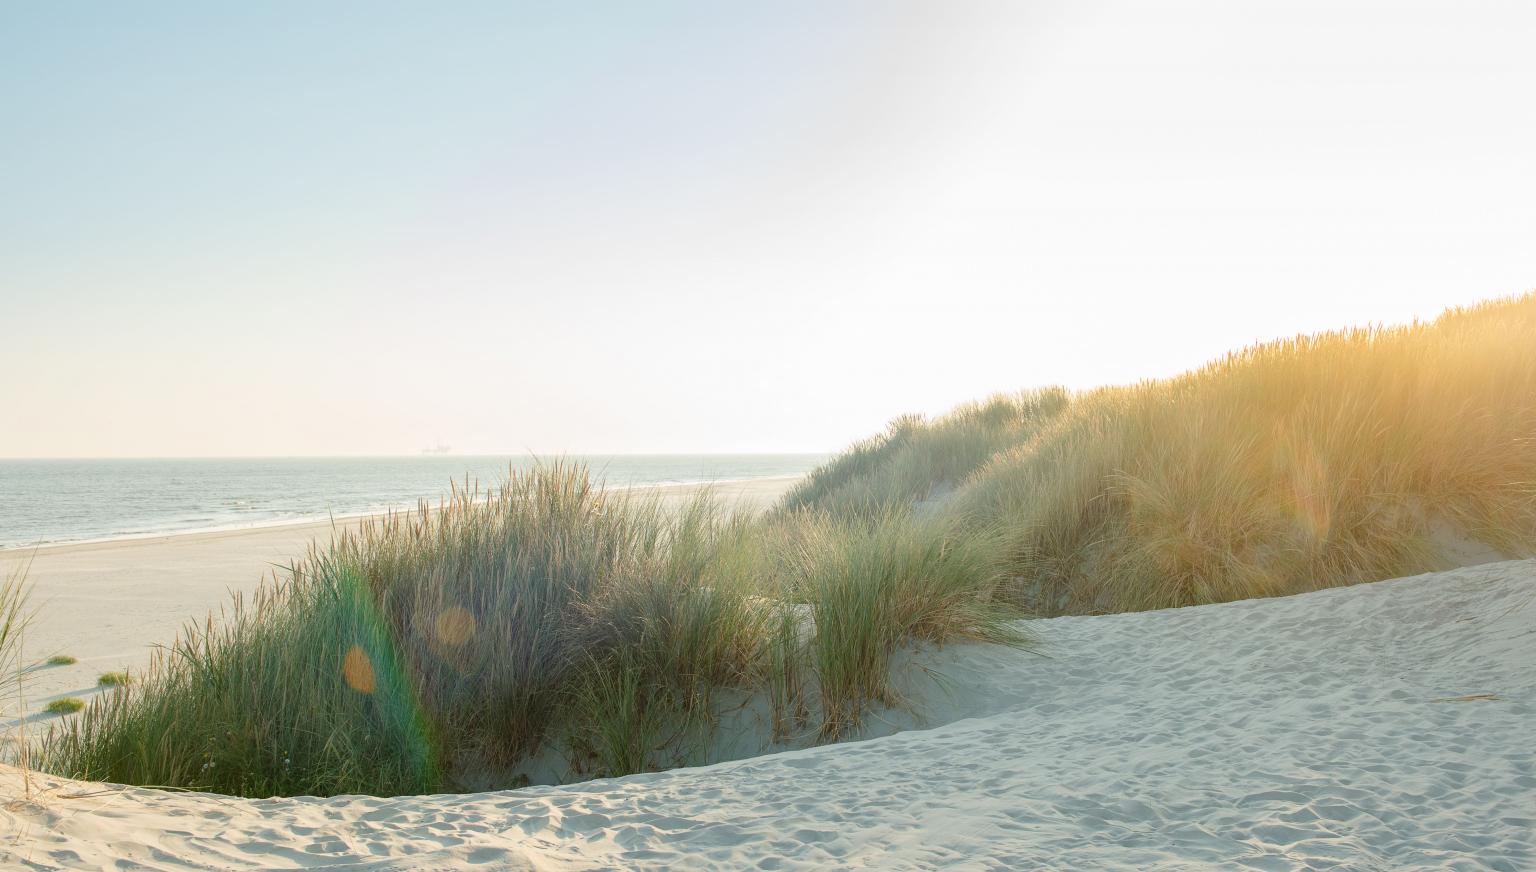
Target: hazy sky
269, 228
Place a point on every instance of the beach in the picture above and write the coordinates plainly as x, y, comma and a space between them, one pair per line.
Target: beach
108, 603
1379, 726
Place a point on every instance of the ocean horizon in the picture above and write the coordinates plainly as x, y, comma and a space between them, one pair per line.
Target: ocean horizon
53, 501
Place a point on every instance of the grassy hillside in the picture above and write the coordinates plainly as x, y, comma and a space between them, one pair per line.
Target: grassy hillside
917, 460
1345, 457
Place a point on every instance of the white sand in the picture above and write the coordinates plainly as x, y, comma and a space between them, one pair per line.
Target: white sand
1383, 726
108, 603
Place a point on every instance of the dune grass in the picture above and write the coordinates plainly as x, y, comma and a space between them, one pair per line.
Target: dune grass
441, 648
881, 585
61, 660
916, 459
1333, 459
112, 679
64, 706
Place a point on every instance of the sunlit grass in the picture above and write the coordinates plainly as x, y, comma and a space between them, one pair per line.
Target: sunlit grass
1324, 460
917, 459
112, 679
64, 706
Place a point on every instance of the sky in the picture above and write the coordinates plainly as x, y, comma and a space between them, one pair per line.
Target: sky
316, 229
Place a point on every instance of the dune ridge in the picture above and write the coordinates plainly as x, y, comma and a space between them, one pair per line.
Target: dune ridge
1383, 725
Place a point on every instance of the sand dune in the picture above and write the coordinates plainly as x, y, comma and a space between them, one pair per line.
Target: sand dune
1382, 726
107, 603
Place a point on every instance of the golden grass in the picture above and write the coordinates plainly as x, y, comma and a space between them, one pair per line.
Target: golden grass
1322, 460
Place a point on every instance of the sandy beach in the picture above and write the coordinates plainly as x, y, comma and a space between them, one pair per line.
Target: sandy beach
108, 603
1380, 726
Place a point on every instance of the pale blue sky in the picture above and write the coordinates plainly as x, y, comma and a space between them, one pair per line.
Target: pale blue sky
234, 229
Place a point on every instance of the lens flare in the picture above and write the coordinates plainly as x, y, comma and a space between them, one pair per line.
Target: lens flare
1308, 494
455, 626
357, 670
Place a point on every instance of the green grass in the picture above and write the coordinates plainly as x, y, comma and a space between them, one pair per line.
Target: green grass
61, 660
112, 679
881, 585
1319, 461
64, 706
453, 646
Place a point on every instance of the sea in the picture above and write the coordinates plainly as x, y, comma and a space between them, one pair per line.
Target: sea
50, 501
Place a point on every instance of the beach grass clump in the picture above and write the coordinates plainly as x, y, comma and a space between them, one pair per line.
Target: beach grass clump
660, 645
112, 679
886, 583
67, 705
548, 618
61, 660
301, 692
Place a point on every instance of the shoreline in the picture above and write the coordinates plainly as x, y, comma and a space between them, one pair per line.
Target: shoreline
663, 490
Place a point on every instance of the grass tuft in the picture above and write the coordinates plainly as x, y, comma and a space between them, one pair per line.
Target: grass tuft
112, 679
885, 584
61, 660
64, 706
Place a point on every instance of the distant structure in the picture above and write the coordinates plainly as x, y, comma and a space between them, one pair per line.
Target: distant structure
439, 448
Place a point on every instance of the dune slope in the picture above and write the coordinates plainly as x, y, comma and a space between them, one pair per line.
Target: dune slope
1387, 725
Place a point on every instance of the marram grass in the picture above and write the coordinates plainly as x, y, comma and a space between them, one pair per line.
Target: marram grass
443, 648
1323, 460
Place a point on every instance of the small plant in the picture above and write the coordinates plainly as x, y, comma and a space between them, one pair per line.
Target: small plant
61, 660
65, 706
112, 679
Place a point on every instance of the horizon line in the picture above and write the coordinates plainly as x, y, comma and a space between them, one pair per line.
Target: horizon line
419, 454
